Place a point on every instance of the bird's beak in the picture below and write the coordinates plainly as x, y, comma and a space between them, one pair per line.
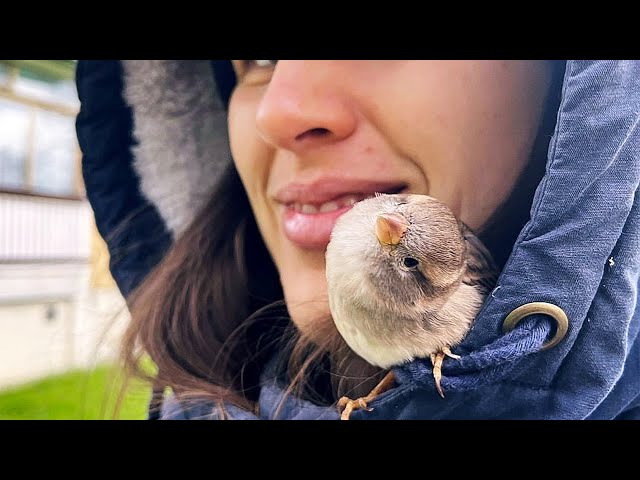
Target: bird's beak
390, 227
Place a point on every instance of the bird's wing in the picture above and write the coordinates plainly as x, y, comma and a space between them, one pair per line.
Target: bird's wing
481, 268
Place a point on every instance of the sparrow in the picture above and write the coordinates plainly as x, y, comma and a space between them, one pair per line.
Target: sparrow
406, 279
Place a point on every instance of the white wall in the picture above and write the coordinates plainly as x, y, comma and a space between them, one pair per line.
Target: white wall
32, 345
50, 320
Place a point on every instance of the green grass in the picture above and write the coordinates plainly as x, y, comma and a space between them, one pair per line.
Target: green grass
75, 395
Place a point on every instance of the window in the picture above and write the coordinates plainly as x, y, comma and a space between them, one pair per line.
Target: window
39, 153
54, 154
14, 128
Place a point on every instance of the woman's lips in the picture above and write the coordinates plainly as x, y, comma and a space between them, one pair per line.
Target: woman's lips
311, 209
309, 225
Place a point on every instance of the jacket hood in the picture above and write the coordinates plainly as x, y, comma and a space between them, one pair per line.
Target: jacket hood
580, 250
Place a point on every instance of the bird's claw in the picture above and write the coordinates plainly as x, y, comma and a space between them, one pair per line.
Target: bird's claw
447, 352
436, 361
347, 405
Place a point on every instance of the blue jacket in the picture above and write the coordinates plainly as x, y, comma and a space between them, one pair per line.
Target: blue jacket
580, 251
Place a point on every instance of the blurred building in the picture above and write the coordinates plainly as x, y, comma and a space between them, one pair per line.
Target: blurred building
59, 307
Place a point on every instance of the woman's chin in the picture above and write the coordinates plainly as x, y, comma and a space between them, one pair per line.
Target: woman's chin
313, 320
304, 283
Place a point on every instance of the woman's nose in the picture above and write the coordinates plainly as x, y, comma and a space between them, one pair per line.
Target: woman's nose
305, 106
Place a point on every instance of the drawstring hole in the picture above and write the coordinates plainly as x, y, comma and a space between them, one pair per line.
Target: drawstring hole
555, 312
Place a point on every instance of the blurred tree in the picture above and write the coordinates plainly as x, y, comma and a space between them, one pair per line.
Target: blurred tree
52, 70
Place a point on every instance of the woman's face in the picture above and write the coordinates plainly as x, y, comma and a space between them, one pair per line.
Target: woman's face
311, 137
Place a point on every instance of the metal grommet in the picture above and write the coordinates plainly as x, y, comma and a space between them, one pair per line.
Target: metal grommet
539, 307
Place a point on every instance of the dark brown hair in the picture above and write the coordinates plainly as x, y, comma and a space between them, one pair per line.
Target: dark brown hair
211, 314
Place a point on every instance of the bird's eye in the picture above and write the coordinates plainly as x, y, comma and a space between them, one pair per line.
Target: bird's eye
410, 262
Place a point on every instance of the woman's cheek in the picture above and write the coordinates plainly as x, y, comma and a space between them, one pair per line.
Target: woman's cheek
253, 160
